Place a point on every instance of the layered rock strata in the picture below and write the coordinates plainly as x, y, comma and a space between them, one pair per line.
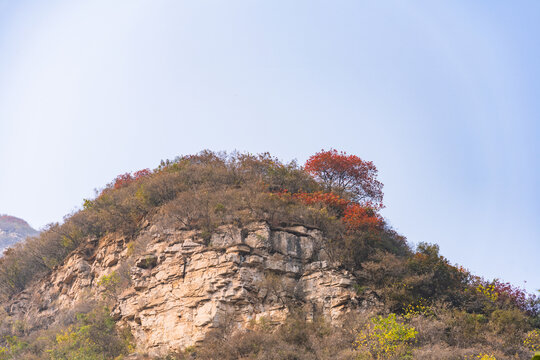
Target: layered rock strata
172, 287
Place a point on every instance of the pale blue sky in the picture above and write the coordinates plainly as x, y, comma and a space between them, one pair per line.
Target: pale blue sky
442, 95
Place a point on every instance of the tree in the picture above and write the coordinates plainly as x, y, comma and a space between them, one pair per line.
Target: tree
125, 179
344, 173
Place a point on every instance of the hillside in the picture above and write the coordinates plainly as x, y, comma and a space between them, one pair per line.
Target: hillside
215, 256
13, 230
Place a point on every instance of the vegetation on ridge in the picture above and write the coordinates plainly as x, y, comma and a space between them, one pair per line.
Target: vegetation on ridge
430, 306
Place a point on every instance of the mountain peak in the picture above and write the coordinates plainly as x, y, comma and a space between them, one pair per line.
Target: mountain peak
13, 230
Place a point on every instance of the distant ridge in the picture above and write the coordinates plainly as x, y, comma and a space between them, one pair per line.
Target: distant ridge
13, 230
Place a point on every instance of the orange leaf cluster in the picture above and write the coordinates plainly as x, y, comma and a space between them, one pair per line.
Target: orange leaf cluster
329, 199
359, 217
341, 172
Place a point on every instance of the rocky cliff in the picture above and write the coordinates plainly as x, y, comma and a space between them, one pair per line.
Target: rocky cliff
13, 230
171, 287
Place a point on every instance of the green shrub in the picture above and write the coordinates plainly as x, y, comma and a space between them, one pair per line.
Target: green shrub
94, 336
12, 348
109, 284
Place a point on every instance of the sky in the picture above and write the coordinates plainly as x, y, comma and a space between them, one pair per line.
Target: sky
443, 96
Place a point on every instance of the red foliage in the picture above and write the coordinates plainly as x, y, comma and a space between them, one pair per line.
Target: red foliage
329, 199
342, 172
126, 179
514, 295
122, 180
141, 173
355, 216
358, 217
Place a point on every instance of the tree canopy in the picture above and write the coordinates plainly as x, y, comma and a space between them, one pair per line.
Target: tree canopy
342, 173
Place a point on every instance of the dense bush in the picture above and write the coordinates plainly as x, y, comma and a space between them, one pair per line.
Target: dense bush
89, 336
386, 337
93, 337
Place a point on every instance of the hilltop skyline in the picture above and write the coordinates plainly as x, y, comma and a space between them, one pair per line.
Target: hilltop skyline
442, 97
13, 230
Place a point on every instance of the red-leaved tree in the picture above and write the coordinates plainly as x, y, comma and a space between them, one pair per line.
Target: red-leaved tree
341, 173
125, 179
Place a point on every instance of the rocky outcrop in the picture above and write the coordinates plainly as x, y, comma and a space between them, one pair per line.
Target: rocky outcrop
171, 287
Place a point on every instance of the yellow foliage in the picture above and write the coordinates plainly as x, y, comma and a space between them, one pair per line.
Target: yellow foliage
420, 308
532, 340
488, 291
130, 248
482, 356
386, 336
109, 284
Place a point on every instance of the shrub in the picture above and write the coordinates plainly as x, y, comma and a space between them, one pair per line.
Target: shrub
488, 291
386, 337
419, 308
109, 284
12, 348
94, 336
482, 356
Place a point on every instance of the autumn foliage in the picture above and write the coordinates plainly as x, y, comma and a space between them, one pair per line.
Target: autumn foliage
343, 173
352, 189
358, 217
128, 178
355, 216
508, 293
329, 199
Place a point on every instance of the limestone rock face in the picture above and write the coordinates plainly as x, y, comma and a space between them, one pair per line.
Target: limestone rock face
174, 286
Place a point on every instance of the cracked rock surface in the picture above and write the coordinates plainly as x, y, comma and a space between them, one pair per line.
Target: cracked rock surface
179, 286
